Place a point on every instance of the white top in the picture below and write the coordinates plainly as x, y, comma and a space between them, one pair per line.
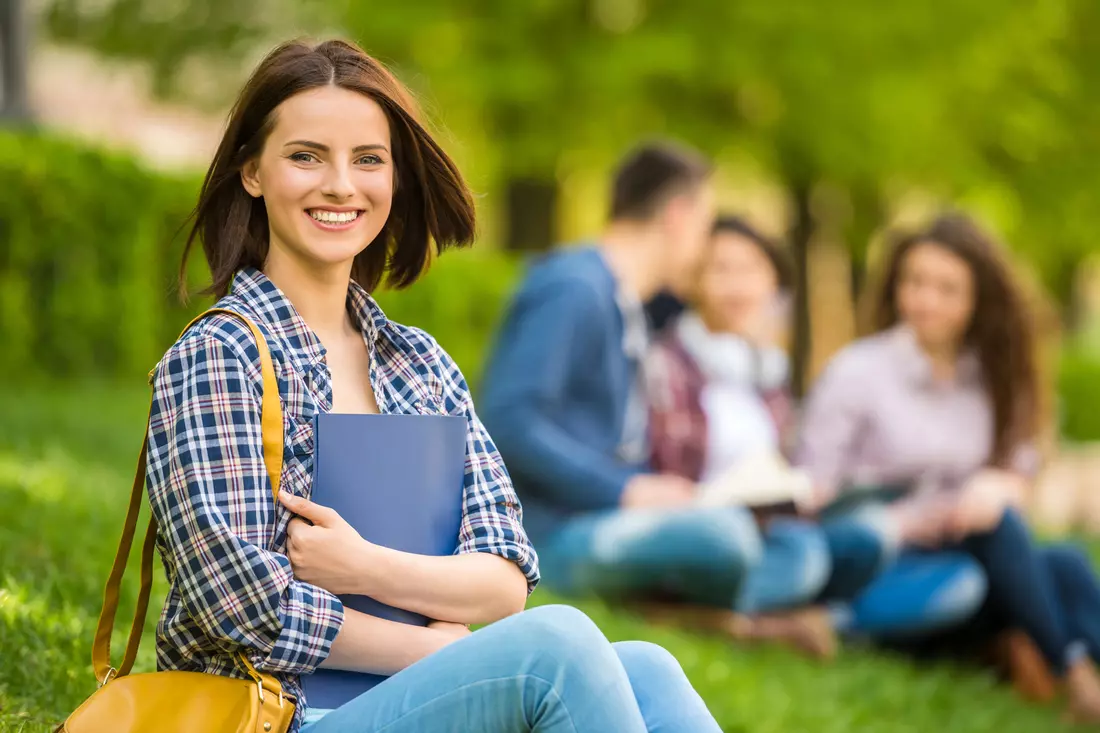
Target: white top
739, 424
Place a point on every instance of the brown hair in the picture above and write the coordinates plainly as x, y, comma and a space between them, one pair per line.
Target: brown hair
430, 201
650, 175
777, 256
1000, 328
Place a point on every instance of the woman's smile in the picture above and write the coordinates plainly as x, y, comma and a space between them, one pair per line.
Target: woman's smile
334, 220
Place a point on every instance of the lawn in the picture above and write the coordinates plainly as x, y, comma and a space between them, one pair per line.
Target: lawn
66, 457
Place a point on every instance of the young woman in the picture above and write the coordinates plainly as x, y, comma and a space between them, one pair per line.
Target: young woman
942, 401
324, 185
721, 402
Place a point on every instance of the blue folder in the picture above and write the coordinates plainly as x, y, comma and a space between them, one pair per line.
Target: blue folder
397, 479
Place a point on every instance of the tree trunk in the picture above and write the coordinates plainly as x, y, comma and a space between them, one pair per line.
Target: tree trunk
867, 215
532, 214
801, 233
13, 62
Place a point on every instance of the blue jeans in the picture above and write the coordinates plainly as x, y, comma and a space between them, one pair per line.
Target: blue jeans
548, 670
891, 597
1078, 594
716, 557
1051, 593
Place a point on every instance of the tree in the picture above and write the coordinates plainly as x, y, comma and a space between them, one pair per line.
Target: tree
13, 62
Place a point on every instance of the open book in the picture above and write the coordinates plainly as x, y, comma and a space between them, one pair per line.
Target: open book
763, 480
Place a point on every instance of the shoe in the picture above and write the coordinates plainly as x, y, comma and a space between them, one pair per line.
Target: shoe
808, 630
1023, 664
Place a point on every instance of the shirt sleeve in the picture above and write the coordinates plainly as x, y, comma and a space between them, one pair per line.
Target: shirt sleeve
492, 516
831, 420
212, 500
677, 425
555, 330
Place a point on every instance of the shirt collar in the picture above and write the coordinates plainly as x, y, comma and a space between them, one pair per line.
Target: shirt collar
917, 367
280, 316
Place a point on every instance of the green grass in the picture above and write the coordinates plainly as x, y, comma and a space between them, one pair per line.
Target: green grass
66, 457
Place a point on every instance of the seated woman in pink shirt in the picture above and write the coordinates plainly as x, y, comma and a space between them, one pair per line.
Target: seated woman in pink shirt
941, 402
721, 414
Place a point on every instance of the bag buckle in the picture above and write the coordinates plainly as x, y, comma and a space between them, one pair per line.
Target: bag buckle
111, 674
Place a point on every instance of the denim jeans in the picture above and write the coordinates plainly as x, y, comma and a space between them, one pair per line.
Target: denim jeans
893, 594
716, 557
1077, 591
1052, 593
548, 670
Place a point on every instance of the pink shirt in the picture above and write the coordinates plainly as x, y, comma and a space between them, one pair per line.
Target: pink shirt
877, 415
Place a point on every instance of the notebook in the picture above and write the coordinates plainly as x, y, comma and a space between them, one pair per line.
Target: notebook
398, 480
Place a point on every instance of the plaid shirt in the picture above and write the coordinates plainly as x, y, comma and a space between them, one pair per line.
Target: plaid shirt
677, 420
221, 536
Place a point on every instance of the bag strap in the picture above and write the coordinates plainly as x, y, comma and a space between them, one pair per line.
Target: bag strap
271, 422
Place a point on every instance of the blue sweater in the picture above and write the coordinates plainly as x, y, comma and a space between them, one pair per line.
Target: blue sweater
555, 390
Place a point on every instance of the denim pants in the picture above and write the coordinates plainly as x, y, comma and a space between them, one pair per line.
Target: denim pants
716, 557
1052, 593
548, 670
895, 594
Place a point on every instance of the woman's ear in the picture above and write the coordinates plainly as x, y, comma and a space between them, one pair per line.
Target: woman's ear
250, 178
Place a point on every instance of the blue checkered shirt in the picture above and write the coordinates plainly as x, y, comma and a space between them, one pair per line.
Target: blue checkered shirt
222, 538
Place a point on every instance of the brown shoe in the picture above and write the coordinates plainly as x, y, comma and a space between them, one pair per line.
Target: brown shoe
808, 630
1019, 658
706, 619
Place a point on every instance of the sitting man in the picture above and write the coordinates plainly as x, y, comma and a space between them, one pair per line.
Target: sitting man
565, 399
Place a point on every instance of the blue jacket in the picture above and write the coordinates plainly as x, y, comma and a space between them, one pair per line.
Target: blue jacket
555, 390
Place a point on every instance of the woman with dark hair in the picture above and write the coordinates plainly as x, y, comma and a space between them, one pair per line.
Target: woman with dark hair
324, 186
941, 405
720, 409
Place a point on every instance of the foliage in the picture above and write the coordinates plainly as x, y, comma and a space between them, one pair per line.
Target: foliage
88, 255
978, 103
89, 249
1079, 394
66, 457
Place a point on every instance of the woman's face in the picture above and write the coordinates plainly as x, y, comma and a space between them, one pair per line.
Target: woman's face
935, 295
738, 286
326, 176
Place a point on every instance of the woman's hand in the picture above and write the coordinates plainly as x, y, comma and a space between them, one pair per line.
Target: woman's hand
648, 491
983, 501
923, 521
329, 553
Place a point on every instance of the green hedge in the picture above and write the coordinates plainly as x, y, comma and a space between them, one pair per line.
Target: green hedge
89, 246
87, 253
1079, 393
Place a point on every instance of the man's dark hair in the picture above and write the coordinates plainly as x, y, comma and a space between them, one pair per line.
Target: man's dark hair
652, 174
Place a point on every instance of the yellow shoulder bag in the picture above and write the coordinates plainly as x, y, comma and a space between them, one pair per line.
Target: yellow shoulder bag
181, 702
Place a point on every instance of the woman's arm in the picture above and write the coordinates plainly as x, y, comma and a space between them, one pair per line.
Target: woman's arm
677, 424
471, 588
494, 566
378, 646
830, 423
213, 503
468, 588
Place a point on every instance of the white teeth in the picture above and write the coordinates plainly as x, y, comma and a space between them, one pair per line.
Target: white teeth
333, 217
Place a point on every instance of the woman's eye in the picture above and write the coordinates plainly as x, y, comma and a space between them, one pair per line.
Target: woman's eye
369, 160
303, 157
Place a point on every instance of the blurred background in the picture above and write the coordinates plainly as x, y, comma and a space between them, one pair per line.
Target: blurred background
830, 122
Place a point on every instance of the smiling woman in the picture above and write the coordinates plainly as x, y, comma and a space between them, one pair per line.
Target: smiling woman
324, 186
281, 143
